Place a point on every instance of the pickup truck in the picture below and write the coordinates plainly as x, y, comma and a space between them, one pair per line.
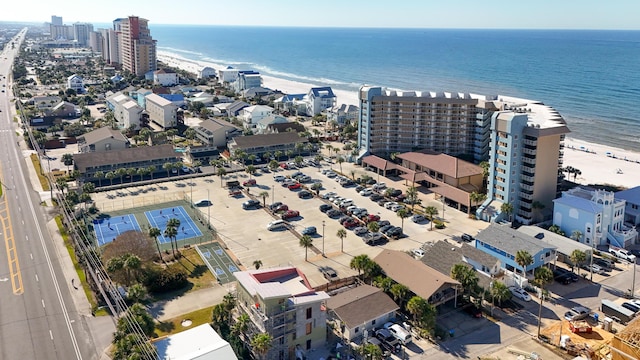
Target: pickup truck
622, 254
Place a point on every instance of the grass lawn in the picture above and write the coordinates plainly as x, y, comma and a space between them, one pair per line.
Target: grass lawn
198, 317
198, 274
36, 165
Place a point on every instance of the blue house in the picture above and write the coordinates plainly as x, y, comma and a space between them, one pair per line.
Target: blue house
632, 207
503, 242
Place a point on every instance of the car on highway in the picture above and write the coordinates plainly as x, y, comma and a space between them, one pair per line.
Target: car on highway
418, 218
325, 207
290, 214
251, 204
520, 293
310, 230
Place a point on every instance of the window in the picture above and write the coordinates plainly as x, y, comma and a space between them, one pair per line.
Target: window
373, 322
309, 313
308, 329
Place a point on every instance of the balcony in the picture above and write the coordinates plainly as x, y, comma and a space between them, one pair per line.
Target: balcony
526, 177
526, 187
530, 142
529, 151
524, 195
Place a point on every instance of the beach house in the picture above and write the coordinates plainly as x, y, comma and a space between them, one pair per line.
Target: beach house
75, 83
102, 139
251, 115
343, 114
206, 72
164, 77
247, 79
632, 205
593, 217
282, 303
320, 99
125, 110
162, 112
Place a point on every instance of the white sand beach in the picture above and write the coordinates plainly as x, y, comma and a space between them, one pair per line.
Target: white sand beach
598, 164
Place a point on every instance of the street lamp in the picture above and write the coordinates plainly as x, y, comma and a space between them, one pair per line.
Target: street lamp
323, 254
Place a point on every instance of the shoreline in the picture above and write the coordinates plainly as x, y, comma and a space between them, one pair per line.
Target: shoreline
598, 163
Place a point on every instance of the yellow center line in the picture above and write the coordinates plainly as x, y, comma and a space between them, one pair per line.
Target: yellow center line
10, 244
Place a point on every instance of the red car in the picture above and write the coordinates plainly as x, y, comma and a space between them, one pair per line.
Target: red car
281, 208
373, 217
294, 186
284, 166
250, 182
290, 214
350, 223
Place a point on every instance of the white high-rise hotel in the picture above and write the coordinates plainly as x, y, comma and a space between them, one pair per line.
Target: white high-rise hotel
521, 139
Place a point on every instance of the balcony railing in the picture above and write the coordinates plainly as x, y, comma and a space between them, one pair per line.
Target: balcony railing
530, 142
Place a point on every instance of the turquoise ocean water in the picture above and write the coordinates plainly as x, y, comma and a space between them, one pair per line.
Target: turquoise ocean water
591, 77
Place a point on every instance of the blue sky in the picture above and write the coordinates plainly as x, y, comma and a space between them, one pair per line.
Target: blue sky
500, 14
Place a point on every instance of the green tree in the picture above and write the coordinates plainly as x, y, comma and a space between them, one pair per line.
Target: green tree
399, 293
412, 196
476, 198
556, 229
500, 292
424, 314
524, 259
261, 344
306, 242
257, 264
250, 170
576, 235
543, 276
168, 167
360, 262
277, 154
150, 170
171, 232
99, 175
273, 165
221, 172
373, 226
62, 184
403, 214
110, 175
578, 257
137, 293
67, 160
431, 211
466, 276
340, 160
298, 160
131, 172
507, 209
154, 232
121, 172
264, 195
342, 233
370, 351
252, 158
384, 283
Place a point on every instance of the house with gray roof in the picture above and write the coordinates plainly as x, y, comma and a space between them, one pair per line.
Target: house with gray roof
343, 114
504, 242
564, 245
144, 157
260, 144
235, 108
632, 206
288, 126
262, 124
101, 140
216, 133
362, 308
320, 99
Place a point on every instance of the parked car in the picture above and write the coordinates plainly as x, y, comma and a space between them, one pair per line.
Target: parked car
473, 310
333, 213
383, 223
390, 204
366, 192
360, 230
294, 186
373, 217
251, 204
418, 218
375, 197
562, 278
596, 269
281, 208
328, 195
520, 293
379, 186
395, 231
372, 239
311, 230
279, 178
350, 223
304, 179
631, 306
203, 202
359, 188
329, 273
325, 207
250, 182
605, 264
344, 218
394, 192
417, 253
305, 194
383, 229
289, 214
398, 332
467, 237
385, 354
276, 225
396, 208
577, 313
385, 336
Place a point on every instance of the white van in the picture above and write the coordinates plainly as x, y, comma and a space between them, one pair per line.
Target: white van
276, 225
399, 333
346, 202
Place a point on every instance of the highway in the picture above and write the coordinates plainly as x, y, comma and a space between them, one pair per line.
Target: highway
38, 319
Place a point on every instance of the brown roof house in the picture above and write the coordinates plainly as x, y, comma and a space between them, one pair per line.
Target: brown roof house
101, 140
362, 308
421, 279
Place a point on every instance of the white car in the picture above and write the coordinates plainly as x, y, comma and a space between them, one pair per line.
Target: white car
417, 253
396, 207
329, 195
366, 192
331, 174
279, 178
520, 293
390, 204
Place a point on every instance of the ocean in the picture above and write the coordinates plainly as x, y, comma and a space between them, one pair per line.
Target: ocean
591, 77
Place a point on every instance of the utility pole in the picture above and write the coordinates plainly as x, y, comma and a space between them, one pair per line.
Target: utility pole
323, 254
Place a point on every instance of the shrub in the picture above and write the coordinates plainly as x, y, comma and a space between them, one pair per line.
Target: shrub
165, 280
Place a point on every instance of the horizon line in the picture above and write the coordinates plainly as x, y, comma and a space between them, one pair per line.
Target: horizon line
342, 26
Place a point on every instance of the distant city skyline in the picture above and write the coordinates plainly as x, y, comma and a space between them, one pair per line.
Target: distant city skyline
468, 14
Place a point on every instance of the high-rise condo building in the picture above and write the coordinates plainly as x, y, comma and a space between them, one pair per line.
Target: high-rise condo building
137, 48
81, 33
521, 139
56, 20
110, 48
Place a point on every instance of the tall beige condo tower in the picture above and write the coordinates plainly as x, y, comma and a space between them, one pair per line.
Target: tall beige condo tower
137, 48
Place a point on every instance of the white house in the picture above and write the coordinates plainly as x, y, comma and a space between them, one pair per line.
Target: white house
247, 79
206, 72
125, 110
320, 99
632, 207
165, 77
199, 343
161, 111
343, 114
227, 75
251, 115
593, 217
75, 83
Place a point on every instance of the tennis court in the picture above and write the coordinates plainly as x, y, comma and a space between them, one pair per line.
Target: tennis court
160, 217
218, 261
108, 228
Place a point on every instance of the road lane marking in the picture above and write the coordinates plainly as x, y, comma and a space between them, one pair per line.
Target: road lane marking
43, 304
10, 245
51, 334
38, 280
31, 256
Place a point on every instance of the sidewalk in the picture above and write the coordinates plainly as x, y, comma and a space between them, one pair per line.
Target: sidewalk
169, 309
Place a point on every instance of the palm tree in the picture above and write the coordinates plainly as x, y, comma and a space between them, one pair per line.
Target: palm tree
221, 172
431, 211
266, 156
137, 293
252, 158
342, 233
394, 156
576, 172
370, 351
150, 170
298, 160
340, 160
141, 172
507, 209
277, 154
543, 276
399, 293
306, 242
359, 263
67, 159
154, 232
500, 292
110, 175
476, 197
121, 172
329, 149
289, 154
174, 223
403, 214
168, 167
257, 264
170, 232
62, 184
577, 258
261, 344
250, 170
383, 283
412, 196
524, 259
373, 226
99, 175
264, 195
466, 276
576, 235
131, 172
556, 229
273, 165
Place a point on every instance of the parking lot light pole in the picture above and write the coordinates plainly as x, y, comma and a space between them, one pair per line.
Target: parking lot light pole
323, 254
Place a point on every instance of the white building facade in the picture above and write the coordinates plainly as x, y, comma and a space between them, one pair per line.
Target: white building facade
161, 111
